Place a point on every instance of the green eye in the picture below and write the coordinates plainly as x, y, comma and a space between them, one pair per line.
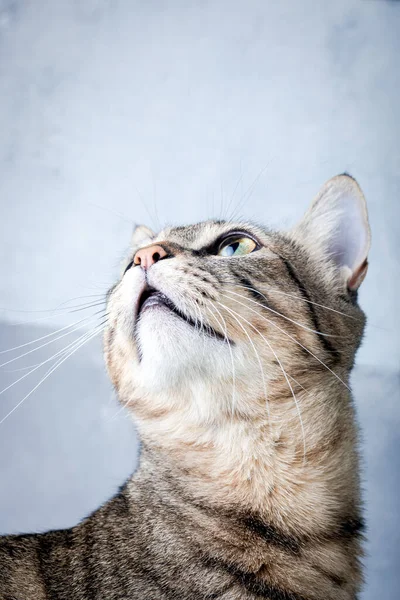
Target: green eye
237, 247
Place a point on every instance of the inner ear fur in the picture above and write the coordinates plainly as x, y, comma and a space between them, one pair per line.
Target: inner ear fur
336, 226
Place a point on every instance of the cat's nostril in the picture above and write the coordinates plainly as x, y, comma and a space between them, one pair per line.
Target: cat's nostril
150, 255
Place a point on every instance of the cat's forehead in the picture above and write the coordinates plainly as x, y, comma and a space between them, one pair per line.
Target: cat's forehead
201, 234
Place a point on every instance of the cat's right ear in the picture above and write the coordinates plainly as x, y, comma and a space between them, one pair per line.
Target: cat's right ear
141, 236
336, 228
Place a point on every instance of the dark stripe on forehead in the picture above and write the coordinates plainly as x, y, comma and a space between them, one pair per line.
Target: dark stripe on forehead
313, 315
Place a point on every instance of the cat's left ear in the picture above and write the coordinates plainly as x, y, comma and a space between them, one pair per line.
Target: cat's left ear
336, 224
141, 236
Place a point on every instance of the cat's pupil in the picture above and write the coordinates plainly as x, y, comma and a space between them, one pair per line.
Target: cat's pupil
233, 247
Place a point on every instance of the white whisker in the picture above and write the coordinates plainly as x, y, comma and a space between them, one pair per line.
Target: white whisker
278, 313
225, 330
41, 364
285, 375
71, 309
59, 337
43, 337
233, 313
93, 334
295, 296
292, 338
239, 181
97, 296
302, 299
247, 195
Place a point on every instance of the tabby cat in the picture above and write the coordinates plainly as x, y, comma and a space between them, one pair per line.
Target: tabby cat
232, 346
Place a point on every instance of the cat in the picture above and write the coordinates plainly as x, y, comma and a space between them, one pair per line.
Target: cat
231, 345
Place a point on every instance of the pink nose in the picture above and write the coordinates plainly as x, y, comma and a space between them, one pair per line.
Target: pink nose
148, 256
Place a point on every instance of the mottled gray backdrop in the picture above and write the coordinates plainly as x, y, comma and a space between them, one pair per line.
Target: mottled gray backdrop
114, 112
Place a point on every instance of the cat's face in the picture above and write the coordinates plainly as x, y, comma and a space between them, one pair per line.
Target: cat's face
212, 315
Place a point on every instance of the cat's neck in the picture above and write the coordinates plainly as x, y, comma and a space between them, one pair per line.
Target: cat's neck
292, 460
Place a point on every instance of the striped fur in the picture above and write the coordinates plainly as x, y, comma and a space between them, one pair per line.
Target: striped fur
248, 483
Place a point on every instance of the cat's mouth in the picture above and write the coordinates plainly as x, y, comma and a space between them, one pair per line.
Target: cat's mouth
151, 298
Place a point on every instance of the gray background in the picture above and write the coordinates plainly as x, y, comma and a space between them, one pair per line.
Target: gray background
115, 112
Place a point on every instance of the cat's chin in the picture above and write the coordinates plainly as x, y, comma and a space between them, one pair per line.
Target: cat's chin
159, 325
172, 350
161, 330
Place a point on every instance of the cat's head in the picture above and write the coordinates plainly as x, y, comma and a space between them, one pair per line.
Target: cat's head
211, 317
